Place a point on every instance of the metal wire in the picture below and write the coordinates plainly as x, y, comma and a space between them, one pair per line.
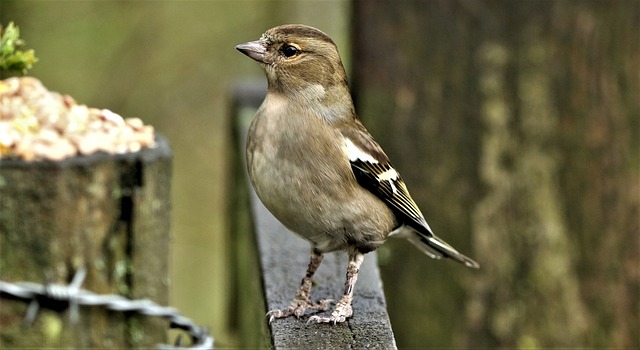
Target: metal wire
59, 297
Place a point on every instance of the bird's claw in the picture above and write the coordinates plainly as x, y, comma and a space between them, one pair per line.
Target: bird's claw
273, 314
334, 318
298, 308
339, 315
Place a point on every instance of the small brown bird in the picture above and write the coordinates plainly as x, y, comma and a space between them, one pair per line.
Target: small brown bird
317, 169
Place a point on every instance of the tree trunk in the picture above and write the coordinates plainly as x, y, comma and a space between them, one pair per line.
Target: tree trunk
515, 126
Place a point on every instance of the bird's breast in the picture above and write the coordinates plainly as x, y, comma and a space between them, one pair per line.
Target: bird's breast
300, 172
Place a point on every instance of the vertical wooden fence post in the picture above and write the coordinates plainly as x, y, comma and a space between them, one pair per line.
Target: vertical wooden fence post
108, 214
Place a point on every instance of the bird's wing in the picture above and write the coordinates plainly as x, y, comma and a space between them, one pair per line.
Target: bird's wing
374, 172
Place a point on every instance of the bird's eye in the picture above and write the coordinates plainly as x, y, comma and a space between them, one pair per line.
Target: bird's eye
289, 50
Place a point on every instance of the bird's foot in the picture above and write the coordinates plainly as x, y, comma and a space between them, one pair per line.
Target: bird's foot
298, 308
340, 314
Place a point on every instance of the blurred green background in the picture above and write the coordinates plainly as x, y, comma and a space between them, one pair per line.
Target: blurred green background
172, 64
514, 123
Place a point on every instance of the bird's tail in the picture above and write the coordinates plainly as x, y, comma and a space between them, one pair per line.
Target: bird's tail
437, 248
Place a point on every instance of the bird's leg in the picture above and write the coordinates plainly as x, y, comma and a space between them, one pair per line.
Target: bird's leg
302, 301
343, 310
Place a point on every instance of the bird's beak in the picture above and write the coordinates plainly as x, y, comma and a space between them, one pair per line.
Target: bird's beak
254, 49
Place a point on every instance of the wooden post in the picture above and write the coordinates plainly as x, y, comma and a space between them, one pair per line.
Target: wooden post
106, 213
283, 258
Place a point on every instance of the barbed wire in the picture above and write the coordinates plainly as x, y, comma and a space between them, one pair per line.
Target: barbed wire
59, 297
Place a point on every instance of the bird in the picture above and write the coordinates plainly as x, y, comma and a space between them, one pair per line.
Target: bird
319, 171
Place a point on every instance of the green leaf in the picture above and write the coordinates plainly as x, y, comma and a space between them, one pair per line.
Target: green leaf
12, 59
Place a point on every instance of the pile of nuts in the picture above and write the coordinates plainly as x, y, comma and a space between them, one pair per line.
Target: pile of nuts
37, 124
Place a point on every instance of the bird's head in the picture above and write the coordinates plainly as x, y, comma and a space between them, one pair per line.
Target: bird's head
297, 57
